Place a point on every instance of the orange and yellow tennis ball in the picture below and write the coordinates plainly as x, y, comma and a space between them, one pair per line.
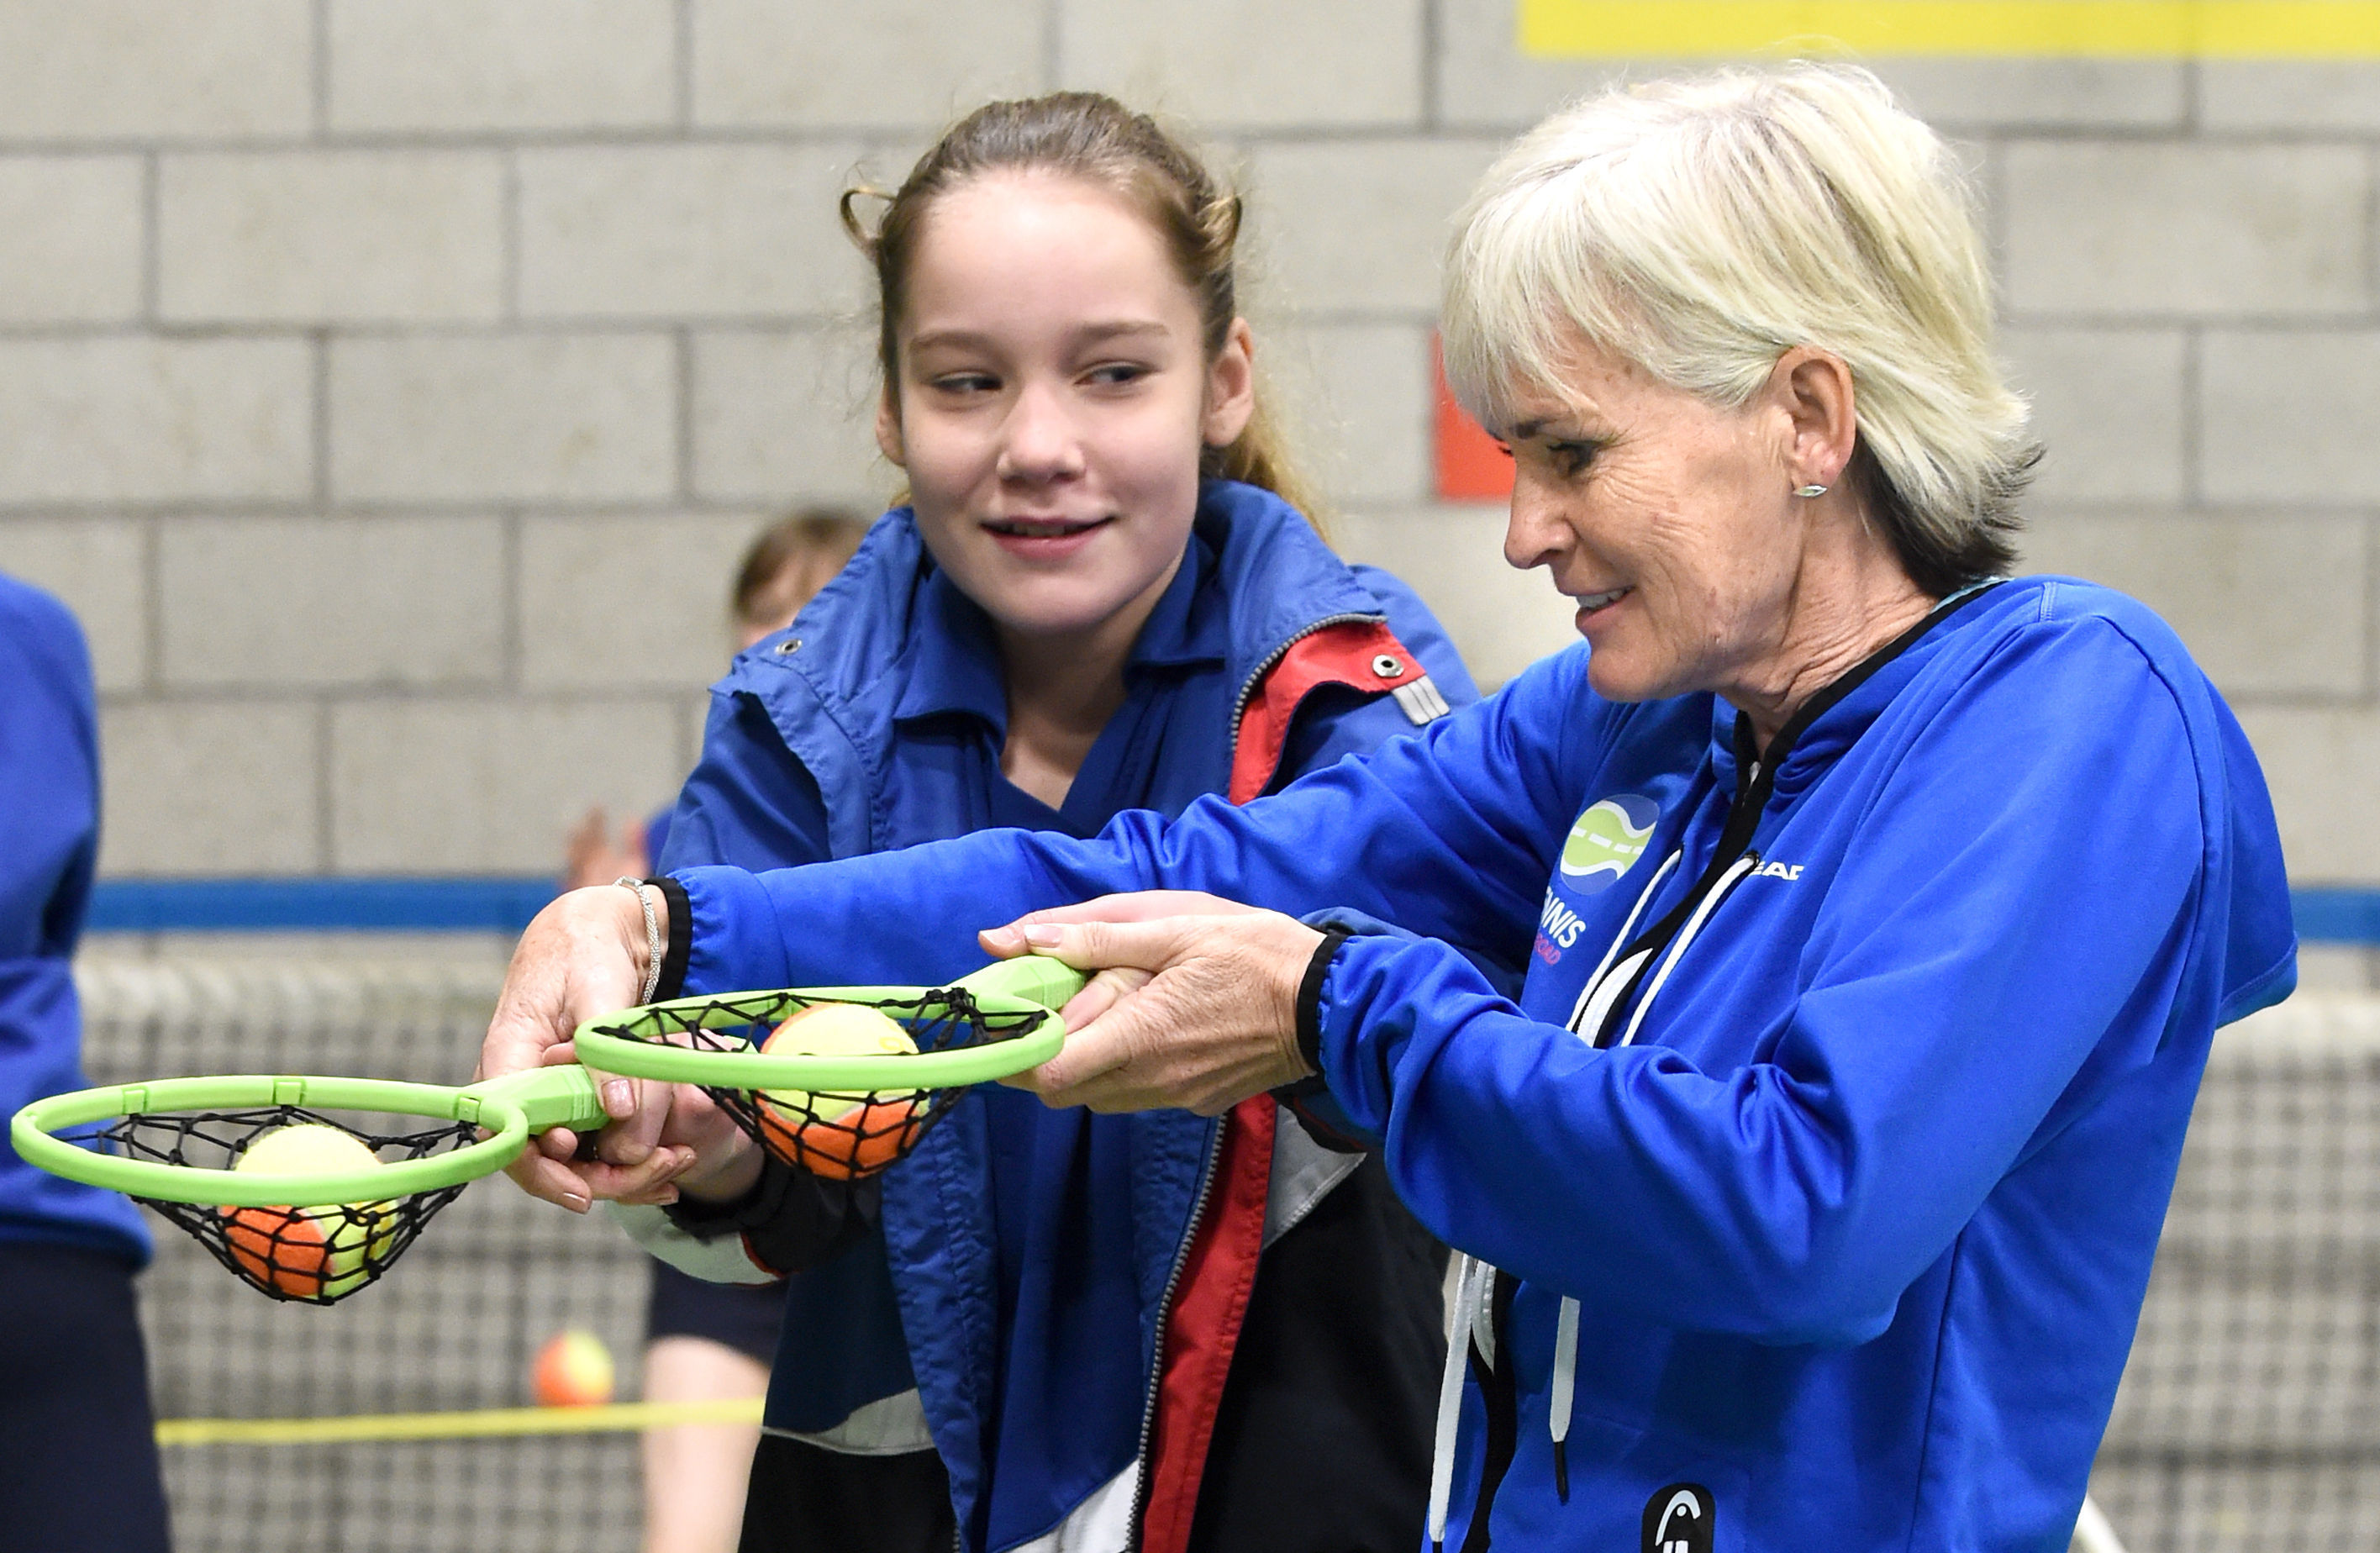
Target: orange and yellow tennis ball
573, 1369
308, 1253
829, 1133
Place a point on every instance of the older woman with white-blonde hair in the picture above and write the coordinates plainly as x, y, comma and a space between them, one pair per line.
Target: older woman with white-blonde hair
1789, 1001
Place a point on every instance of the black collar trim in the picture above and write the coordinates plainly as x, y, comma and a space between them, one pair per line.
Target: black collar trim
1852, 679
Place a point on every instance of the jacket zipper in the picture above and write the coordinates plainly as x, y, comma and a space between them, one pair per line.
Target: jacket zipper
1498, 1388
1214, 1152
1214, 1149
1164, 1312
1256, 675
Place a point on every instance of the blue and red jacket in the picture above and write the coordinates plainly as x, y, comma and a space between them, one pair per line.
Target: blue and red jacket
49, 846
1040, 1296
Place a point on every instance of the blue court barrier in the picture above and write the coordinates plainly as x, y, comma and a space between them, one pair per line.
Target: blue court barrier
504, 905
317, 905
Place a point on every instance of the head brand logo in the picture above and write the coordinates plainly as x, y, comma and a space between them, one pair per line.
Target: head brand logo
1678, 1520
1606, 841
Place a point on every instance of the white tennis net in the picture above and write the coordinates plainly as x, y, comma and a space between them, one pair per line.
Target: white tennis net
2250, 1417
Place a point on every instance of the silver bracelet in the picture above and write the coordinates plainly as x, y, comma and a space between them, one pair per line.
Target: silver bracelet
652, 936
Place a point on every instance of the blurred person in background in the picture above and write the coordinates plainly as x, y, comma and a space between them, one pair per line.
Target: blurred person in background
712, 1342
783, 570
1049, 1327
79, 1470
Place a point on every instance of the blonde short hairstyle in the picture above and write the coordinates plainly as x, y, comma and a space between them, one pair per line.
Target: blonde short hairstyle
1701, 226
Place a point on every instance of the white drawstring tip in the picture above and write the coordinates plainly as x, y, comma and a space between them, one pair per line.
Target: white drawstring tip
1460, 1319
1563, 1391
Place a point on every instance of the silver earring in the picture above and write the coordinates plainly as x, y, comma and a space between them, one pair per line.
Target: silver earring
1809, 490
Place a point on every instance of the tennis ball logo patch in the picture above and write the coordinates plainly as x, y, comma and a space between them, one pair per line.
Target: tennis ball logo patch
1606, 841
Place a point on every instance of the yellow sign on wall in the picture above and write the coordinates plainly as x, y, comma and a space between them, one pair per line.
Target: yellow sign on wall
2017, 29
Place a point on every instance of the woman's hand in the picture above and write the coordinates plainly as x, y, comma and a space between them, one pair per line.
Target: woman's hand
1215, 1022
584, 956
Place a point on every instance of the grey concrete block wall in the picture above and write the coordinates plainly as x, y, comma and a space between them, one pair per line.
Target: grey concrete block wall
517, 415
390, 387
2186, 228
151, 417
264, 603
465, 67
333, 237
70, 239
899, 66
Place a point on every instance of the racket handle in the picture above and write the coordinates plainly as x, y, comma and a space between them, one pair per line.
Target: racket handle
1034, 977
556, 1096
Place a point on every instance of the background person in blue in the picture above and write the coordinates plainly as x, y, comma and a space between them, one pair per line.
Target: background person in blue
77, 1449
1098, 600
1881, 915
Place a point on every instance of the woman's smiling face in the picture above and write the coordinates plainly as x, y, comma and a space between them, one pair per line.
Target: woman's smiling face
1053, 401
1670, 522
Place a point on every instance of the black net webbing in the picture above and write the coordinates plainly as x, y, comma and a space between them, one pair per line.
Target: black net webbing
846, 1134
309, 1255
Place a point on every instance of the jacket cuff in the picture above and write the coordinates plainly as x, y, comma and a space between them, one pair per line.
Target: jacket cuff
753, 1210
789, 1222
715, 1261
734, 944
672, 981
1358, 1045
1309, 997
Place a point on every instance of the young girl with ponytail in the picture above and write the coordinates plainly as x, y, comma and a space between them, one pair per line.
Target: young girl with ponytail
1049, 1329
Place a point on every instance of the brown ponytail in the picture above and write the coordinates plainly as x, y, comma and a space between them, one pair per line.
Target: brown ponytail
1088, 136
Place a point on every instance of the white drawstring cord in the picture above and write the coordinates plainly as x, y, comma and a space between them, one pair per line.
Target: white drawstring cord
1558, 1406
1735, 870
1564, 1390
1461, 1321
1596, 982
1470, 1317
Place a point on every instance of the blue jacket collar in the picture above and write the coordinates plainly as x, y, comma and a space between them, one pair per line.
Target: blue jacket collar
1816, 738
955, 667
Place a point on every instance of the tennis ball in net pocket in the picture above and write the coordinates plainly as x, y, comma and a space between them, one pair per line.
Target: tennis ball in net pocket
573, 1369
308, 1253
833, 1132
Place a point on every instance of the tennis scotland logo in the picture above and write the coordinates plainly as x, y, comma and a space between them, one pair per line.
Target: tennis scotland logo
1606, 841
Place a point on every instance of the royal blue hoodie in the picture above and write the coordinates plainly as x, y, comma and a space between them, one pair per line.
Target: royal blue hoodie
1837, 1118
48, 845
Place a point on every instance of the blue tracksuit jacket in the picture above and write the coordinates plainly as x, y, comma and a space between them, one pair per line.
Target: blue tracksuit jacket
48, 845
1841, 1105
1024, 1258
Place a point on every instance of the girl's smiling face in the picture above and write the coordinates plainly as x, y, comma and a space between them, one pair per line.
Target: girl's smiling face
1053, 398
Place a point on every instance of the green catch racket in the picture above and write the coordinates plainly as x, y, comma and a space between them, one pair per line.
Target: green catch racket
882, 1064
308, 1188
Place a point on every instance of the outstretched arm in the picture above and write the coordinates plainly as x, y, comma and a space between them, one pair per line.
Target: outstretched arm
1448, 834
1940, 1011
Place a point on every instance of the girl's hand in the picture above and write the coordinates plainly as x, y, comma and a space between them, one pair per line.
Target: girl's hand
723, 1162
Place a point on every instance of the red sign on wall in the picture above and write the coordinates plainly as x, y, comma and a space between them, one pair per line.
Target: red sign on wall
1471, 464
